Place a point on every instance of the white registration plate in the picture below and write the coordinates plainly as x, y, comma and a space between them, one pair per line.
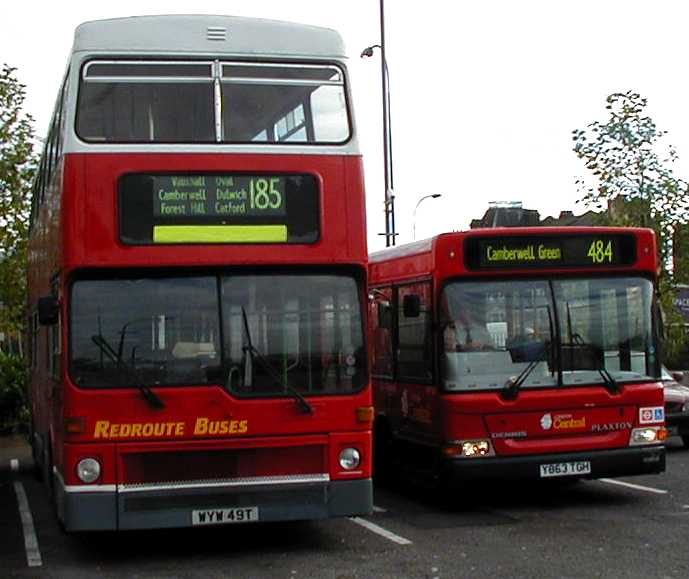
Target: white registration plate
566, 468
224, 516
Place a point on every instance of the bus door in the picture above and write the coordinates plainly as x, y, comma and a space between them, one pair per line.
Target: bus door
414, 362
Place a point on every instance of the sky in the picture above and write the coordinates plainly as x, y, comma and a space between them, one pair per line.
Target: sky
484, 95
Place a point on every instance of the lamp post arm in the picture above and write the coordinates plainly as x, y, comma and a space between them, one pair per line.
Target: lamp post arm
429, 196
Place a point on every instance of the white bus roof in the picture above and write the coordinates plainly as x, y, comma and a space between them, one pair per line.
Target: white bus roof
206, 34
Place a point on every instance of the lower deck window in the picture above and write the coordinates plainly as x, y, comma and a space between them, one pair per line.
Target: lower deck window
257, 335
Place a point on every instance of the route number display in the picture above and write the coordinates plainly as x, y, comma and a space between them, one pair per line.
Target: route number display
534, 251
218, 208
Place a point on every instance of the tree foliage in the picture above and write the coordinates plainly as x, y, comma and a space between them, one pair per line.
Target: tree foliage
634, 185
18, 162
14, 409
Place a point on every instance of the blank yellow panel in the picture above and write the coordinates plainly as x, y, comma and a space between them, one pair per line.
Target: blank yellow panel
219, 234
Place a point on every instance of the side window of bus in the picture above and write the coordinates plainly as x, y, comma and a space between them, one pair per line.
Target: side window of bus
54, 333
381, 316
60, 117
415, 343
50, 157
33, 340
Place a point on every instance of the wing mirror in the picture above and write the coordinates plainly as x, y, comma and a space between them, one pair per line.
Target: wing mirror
48, 310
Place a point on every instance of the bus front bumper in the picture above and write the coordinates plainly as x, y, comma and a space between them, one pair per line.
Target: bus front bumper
637, 460
120, 507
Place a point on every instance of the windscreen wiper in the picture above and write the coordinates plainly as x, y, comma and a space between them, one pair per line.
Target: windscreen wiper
608, 381
151, 397
541, 353
511, 388
302, 402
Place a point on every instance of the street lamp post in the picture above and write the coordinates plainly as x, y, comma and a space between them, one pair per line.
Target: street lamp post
430, 196
389, 203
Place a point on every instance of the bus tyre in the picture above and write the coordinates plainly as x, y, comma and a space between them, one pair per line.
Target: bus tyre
47, 471
36, 456
383, 461
685, 440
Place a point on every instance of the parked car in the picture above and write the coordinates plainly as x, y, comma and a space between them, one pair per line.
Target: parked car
676, 406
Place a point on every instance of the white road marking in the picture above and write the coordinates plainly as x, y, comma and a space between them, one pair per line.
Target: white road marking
14, 465
33, 554
633, 486
390, 536
379, 509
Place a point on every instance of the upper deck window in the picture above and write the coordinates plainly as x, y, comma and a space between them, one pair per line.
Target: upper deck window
211, 102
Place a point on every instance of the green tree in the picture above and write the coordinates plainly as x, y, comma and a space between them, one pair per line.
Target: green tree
634, 185
18, 162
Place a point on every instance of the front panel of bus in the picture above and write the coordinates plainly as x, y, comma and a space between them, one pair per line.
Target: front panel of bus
215, 365
548, 356
518, 353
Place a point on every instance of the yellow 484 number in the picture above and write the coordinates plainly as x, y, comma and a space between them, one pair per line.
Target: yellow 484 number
600, 251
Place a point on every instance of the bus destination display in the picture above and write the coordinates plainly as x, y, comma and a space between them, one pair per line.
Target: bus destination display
218, 195
551, 251
218, 208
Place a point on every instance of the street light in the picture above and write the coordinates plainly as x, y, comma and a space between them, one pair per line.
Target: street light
389, 203
430, 196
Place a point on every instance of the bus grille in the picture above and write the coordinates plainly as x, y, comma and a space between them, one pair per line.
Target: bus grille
203, 465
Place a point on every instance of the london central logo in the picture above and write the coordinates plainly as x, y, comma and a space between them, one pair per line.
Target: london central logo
546, 421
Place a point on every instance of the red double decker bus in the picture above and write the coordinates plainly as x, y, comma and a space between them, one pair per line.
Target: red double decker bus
198, 279
517, 353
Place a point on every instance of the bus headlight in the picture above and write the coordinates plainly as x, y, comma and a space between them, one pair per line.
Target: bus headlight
468, 449
88, 470
475, 448
647, 435
350, 458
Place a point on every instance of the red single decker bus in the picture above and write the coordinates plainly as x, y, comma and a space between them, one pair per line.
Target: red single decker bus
517, 353
198, 279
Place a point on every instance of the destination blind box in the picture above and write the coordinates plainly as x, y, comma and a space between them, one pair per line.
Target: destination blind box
229, 208
603, 250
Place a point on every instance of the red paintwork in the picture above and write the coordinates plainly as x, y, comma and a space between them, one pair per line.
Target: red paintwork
77, 228
91, 214
424, 414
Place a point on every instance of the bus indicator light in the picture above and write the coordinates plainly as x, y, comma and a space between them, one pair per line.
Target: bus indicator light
364, 414
75, 425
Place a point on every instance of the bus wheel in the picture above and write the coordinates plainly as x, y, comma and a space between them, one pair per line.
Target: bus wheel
685, 440
36, 455
383, 451
47, 470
